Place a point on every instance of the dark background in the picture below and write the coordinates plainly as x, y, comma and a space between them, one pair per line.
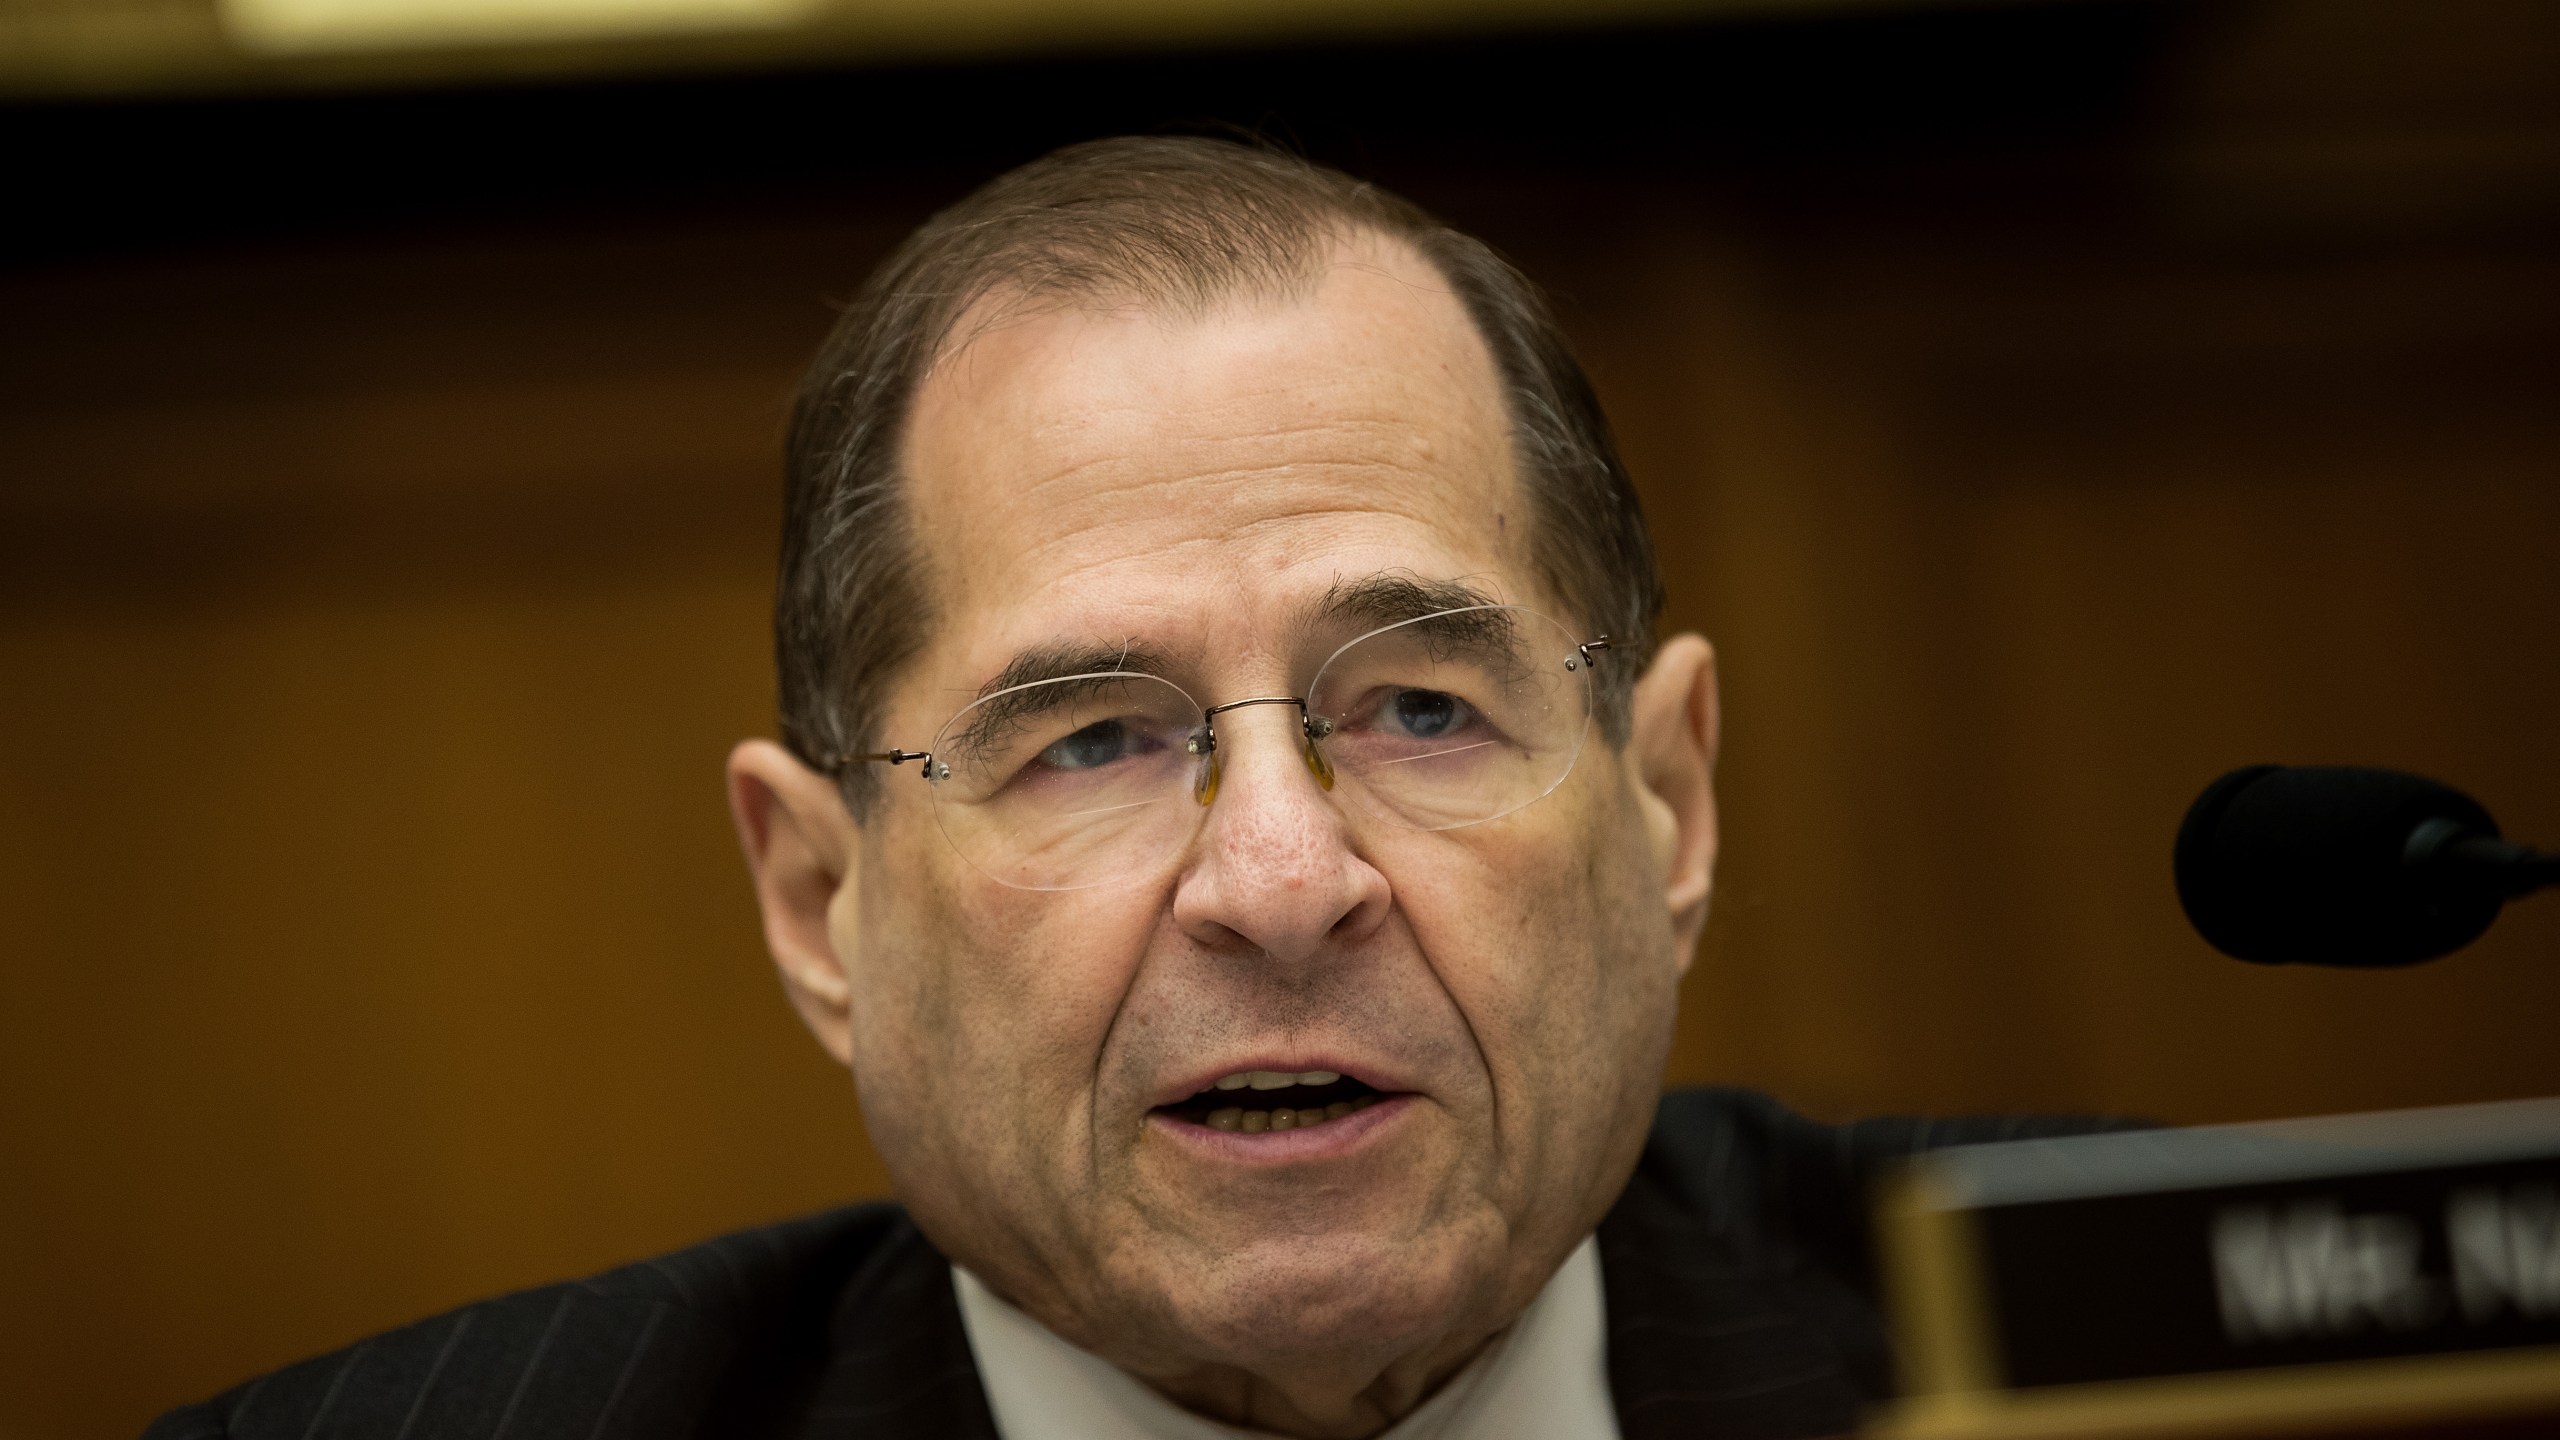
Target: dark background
2044, 407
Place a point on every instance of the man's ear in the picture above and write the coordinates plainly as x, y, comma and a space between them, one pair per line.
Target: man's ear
1673, 754
800, 844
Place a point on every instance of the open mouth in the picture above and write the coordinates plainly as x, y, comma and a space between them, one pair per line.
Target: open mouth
1256, 1101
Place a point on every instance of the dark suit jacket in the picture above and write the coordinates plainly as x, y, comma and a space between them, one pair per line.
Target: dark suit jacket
1739, 1278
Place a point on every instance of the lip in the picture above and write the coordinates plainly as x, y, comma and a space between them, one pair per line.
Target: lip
1331, 1140
1376, 1076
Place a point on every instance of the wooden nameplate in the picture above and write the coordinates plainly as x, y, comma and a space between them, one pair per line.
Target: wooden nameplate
2363, 1275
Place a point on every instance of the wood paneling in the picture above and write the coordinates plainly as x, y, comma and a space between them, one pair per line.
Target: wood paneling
2006, 555
375, 624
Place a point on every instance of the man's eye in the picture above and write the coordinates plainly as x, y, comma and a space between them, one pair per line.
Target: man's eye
1424, 714
1095, 745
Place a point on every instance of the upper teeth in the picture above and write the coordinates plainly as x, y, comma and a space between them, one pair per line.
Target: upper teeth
1275, 1079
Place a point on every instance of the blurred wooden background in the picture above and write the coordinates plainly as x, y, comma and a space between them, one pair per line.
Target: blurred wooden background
2043, 408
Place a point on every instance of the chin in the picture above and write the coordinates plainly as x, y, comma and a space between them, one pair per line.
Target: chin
1311, 1297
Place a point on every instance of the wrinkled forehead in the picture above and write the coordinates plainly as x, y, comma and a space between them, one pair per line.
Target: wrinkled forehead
1195, 482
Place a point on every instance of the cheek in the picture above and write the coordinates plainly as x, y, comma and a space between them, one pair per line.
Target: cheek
978, 1010
900, 1000
1542, 933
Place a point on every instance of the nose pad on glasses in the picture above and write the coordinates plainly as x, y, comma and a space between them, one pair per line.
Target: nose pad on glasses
1319, 766
1204, 788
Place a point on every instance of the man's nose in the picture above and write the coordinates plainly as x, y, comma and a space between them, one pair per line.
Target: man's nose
1275, 870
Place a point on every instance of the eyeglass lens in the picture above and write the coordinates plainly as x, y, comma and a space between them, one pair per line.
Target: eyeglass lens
1447, 720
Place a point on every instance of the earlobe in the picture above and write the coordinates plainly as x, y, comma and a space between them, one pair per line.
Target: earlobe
800, 844
1673, 752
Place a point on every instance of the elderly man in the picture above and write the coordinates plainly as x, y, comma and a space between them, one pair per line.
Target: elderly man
1235, 823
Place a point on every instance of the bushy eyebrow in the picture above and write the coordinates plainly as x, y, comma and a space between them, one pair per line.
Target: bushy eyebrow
1457, 618
1374, 601
1058, 660
1005, 701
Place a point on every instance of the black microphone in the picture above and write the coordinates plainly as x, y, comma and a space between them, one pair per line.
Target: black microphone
2326, 865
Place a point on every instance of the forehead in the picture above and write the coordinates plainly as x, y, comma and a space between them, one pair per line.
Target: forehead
1191, 481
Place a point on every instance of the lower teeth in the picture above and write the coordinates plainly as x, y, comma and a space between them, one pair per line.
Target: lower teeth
1254, 1122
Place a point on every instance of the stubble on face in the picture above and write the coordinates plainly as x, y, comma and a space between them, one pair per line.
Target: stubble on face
1191, 482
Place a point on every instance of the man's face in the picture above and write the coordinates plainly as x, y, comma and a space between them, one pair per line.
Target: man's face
1195, 487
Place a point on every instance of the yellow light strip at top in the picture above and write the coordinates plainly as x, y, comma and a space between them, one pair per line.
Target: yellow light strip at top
302, 27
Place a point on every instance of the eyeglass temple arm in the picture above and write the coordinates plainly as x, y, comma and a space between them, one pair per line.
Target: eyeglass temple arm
892, 757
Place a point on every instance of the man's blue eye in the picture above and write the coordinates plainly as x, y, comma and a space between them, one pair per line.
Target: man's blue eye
1095, 745
1426, 714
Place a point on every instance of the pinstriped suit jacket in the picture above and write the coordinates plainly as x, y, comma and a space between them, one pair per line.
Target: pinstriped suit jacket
1736, 1265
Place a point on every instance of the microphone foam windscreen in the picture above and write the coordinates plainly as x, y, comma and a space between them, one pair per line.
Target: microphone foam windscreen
2307, 865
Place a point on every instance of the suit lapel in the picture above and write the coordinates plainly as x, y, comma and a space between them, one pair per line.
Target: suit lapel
1709, 1334
899, 1363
